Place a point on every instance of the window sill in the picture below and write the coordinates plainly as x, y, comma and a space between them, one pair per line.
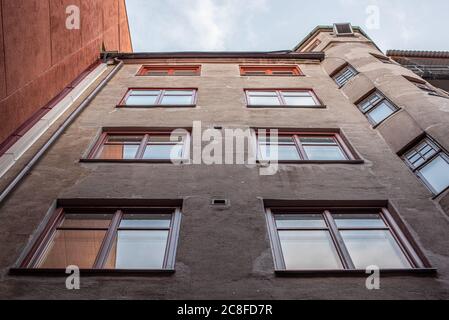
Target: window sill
274, 75
357, 161
355, 273
161, 161
91, 272
157, 106
286, 107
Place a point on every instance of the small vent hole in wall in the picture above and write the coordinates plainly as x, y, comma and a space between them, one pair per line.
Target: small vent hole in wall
220, 202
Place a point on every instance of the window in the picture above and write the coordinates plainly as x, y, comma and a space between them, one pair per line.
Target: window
338, 239
270, 71
282, 98
377, 108
159, 98
424, 86
157, 146
108, 239
291, 147
382, 58
343, 76
180, 70
430, 163
343, 29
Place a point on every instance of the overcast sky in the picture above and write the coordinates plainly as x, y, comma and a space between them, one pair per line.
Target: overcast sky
268, 25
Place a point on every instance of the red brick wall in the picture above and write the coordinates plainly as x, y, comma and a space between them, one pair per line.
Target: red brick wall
41, 56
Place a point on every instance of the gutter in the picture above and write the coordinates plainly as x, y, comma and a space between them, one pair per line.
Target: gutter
288, 54
67, 122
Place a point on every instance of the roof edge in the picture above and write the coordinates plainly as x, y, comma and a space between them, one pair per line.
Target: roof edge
324, 28
417, 54
288, 54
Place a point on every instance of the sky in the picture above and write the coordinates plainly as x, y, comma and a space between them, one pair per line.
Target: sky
271, 25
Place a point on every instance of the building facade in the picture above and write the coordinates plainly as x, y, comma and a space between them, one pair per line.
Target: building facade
47, 49
361, 181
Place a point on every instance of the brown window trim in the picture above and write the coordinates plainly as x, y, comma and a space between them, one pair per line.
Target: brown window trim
440, 151
270, 70
27, 264
122, 103
351, 154
319, 104
171, 70
420, 264
382, 58
384, 97
426, 87
334, 74
94, 152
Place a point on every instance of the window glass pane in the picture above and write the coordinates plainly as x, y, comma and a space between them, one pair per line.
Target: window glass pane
359, 221
374, 247
280, 140
300, 101
324, 153
317, 140
177, 100
113, 152
124, 139
264, 101
150, 221
185, 72
279, 153
92, 221
145, 92
381, 112
179, 92
309, 250
370, 102
165, 138
263, 93
163, 151
300, 221
79, 248
141, 100
436, 174
138, 250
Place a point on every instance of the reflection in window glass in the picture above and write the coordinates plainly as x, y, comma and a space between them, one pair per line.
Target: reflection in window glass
72, 247
380, 113
153, 221
139, 100
436, 173
156, 152
324, 153
309, 250
279, 152
139, 250
119, 152
359, 221
264, 101
300, 221
176, 100
374, 247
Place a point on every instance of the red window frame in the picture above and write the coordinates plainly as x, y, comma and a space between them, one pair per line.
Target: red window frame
347, 150
95, 152
163, 91
271, 70
170, 70
318, 102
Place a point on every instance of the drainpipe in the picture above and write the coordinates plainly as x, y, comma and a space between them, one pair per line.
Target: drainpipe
67, 122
